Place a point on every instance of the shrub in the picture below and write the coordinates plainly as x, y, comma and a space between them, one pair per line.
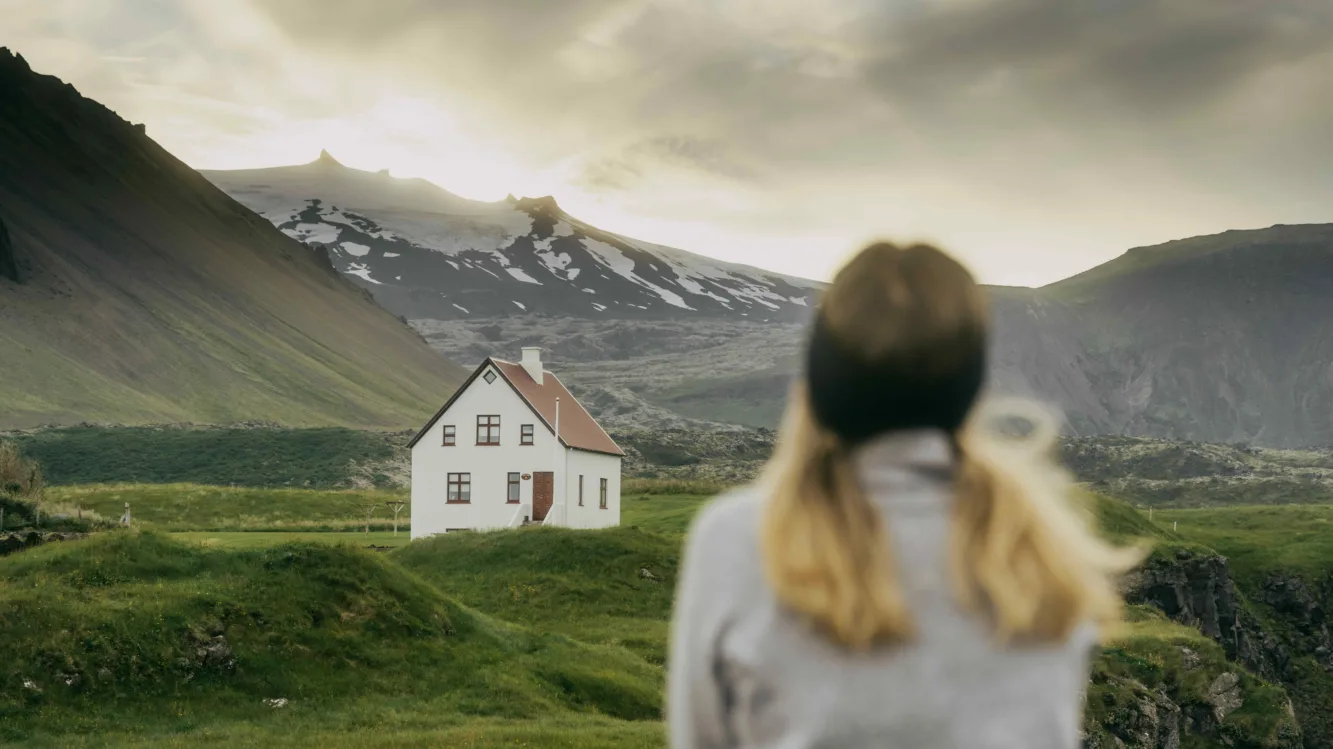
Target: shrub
20, 478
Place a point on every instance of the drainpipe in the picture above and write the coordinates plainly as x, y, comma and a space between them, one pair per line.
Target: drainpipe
557, 487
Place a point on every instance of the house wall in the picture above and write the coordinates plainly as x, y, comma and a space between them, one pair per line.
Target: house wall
489, 466
592, 466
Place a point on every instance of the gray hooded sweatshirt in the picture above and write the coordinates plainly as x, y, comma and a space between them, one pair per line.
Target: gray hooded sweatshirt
744, 672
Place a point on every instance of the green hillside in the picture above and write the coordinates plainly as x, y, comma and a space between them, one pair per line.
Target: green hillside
137, 292
138, 637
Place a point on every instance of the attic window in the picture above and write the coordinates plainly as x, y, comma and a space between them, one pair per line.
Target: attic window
489, 377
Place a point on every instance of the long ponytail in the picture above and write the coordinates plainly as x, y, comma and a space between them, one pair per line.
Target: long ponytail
825, 548
1022, 553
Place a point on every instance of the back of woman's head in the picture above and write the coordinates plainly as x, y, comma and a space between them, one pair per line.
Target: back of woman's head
899, 343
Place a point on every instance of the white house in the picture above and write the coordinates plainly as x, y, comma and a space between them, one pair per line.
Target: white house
513, 446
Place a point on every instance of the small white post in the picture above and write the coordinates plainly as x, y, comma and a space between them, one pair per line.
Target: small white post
397, 507
1173, 525
1149, 514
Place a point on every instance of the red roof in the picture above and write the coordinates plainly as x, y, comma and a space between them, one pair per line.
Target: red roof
578, 429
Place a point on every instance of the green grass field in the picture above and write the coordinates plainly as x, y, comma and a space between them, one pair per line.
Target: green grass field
535, 637
264, 539
190, 507
1257, 541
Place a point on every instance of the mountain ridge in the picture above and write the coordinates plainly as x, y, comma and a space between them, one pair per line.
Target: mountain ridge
427, 253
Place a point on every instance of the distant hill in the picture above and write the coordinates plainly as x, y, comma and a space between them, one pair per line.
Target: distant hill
1223, 338
429, 254
132, 290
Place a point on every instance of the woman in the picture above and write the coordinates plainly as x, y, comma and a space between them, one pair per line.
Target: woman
900, 578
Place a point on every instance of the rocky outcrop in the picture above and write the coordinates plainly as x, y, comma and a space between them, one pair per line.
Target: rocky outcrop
1301, 608
1195, 588
9, 263
19, 540
1154, 718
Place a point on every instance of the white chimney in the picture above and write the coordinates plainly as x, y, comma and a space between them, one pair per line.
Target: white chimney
532, 363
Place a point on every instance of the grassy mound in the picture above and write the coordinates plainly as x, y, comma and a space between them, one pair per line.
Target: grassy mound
190, 507
611, 586
138, 622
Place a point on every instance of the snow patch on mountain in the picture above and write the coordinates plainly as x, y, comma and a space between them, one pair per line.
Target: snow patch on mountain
616, 260
361, 271
558, 264
524, 277
359, 250
452, 235
318, 233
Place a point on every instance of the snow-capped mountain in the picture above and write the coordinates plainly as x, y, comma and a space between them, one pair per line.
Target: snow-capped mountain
427, 253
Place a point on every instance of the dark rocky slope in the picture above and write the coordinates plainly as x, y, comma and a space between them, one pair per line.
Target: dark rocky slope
1222, 338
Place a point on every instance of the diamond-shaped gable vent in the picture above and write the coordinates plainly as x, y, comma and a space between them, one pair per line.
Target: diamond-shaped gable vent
489, 377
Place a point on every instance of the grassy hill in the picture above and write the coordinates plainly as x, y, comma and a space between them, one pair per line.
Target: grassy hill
131, 636
134, 291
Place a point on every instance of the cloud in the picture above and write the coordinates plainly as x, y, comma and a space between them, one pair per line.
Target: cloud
647, 159
1036, 137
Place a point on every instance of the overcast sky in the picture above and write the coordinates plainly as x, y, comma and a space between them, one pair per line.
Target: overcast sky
1033, 138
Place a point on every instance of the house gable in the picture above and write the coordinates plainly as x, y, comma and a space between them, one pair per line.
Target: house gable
579, 431
478, 379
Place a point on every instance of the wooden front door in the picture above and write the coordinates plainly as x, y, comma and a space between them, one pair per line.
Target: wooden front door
543, 494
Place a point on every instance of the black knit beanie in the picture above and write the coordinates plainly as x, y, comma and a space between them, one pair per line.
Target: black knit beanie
858, 398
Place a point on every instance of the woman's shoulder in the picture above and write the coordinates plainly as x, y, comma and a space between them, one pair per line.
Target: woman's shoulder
726, 531
731, 515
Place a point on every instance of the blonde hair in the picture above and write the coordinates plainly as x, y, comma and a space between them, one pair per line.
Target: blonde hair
1022, 554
